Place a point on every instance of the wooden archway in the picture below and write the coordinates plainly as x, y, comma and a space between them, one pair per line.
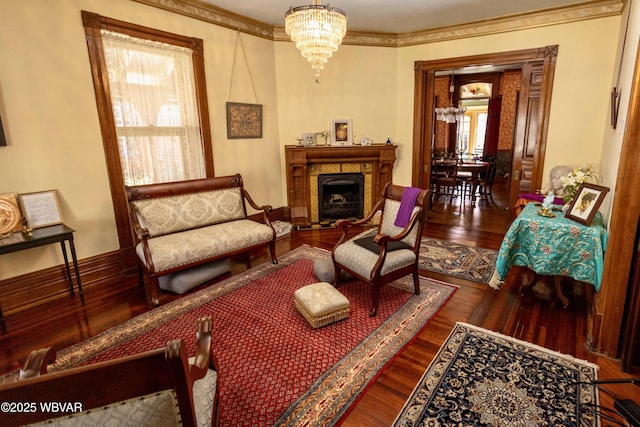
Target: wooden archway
535, 101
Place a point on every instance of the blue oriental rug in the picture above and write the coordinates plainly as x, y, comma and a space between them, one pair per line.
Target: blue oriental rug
482, 378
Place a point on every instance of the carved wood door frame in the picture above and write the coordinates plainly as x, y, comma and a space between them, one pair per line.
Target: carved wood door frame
423, 123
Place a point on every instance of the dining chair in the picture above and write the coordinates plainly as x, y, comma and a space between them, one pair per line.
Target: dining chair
486, 182
447, 182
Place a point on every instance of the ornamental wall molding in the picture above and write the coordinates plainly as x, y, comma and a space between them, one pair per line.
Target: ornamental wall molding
206, 12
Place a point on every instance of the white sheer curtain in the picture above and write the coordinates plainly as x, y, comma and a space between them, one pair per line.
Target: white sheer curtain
154, 105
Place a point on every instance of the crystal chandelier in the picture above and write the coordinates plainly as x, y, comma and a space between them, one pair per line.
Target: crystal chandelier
317, 31
450, 114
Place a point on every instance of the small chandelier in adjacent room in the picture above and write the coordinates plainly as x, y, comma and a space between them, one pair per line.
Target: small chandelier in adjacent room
450, 114
317, 31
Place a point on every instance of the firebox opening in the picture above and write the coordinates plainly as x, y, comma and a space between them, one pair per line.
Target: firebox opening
340, 195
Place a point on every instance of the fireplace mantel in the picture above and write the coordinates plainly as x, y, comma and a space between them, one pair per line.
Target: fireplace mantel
302, 163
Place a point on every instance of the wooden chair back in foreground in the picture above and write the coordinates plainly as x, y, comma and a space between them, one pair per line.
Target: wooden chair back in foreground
155, 388
389, 251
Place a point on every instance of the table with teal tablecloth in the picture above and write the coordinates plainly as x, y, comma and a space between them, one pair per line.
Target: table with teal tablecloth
554, 246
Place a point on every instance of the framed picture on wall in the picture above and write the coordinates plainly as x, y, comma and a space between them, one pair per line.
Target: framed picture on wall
341, 132
244, 121
586, 203
41, 209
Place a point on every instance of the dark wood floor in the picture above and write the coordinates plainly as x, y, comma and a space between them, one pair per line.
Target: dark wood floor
528, 317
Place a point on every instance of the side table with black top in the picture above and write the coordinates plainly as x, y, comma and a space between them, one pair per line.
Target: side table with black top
41, 237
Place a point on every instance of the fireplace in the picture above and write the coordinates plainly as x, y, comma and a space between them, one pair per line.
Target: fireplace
305, 164
340, 195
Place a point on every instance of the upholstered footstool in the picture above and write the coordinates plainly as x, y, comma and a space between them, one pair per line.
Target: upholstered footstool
321, 304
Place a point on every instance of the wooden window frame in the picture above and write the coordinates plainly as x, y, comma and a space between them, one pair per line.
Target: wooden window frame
93, 24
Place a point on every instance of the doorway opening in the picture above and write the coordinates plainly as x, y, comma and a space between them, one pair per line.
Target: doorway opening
531, 112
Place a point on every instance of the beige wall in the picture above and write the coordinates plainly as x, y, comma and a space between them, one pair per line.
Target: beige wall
357, 83
48, 107
583, 70
624, 66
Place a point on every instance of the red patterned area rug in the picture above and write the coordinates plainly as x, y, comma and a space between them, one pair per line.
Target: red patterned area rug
274, 369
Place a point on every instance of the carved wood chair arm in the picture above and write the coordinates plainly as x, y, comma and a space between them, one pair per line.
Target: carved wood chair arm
265, 208
202, 360
345, 223
141, 233
37, 362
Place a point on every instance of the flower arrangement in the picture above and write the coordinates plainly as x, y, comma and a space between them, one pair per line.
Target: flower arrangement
574, 179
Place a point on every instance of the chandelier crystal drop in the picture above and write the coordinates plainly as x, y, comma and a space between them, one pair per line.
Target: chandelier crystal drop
317, 31
451, 114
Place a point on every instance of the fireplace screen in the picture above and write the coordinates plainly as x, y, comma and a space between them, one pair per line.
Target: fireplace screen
340, 195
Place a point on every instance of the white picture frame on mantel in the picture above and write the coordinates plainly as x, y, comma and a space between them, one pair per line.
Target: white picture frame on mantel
341, 132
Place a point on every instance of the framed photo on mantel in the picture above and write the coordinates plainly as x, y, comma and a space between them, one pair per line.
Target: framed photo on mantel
341, 132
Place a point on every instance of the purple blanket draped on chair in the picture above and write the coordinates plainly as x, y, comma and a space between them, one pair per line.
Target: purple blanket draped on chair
409, 196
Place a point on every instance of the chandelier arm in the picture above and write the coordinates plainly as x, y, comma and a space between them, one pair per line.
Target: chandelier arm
451, 114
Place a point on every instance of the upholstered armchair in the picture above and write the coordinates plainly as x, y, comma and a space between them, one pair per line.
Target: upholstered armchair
156, 387
389, 251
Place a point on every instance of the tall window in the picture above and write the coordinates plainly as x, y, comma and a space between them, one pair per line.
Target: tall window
152, 105
473, 127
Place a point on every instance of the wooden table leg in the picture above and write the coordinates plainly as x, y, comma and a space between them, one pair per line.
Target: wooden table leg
528, 279
474, 187
557, 280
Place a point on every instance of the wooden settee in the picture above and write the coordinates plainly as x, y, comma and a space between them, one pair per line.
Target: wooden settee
180, 225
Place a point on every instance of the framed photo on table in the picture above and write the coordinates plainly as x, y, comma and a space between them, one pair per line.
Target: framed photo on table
341, 132
586, 202
41, 209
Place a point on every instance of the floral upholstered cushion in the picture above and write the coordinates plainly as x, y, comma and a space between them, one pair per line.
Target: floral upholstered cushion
204, 391
362, 260
157, 409
391, 208
166, 215
177, 249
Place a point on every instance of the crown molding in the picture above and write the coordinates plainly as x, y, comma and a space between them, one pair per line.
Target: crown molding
207, 12
555, 16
